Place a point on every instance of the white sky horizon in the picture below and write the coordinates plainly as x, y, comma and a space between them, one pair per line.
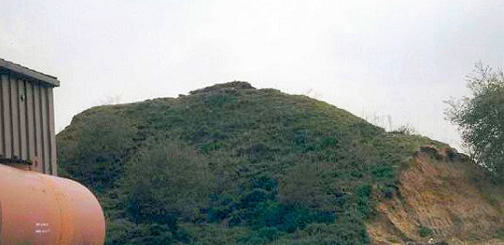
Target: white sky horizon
377, 60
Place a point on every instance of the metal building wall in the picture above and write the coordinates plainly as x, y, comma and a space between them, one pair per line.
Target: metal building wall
27, 133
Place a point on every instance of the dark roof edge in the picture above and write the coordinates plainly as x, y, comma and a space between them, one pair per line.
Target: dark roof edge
24, 71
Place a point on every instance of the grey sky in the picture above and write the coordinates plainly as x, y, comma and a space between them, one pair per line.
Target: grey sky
376, 59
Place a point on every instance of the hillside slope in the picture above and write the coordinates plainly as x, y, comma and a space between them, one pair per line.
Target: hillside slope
231, 164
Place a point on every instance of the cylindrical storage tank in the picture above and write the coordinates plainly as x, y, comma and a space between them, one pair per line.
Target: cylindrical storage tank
42, 209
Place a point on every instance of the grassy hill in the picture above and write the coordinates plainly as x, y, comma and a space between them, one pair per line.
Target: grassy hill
233, 164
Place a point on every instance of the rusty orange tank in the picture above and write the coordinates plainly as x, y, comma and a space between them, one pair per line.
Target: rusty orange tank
42, 209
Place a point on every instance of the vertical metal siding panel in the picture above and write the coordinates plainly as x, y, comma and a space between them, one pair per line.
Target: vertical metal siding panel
30, 122
52, 134
16, 153
2, 139
38, 127
23, 142
6, 117
45, 130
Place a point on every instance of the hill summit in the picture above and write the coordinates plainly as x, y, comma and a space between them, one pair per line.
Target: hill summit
231, 164
235, 85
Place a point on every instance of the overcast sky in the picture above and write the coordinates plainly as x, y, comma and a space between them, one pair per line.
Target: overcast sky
377, 59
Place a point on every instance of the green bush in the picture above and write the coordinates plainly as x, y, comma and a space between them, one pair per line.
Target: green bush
165, 181
97, 157
424, 231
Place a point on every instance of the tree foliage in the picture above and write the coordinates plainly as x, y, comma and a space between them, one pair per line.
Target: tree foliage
165, 182
98, 157
480, 118
303, 185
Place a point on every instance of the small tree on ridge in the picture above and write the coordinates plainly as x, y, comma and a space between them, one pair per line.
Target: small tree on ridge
480, 118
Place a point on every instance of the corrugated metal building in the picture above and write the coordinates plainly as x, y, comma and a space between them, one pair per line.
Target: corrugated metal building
27, 132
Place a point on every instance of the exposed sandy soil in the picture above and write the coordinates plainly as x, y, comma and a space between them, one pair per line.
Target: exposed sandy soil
444, 192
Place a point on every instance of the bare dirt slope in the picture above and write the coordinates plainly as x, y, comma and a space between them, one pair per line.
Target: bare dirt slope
442, 199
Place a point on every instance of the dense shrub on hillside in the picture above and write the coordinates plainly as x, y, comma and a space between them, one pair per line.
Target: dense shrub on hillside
97, 158
302, 185
169, 180
231, 164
